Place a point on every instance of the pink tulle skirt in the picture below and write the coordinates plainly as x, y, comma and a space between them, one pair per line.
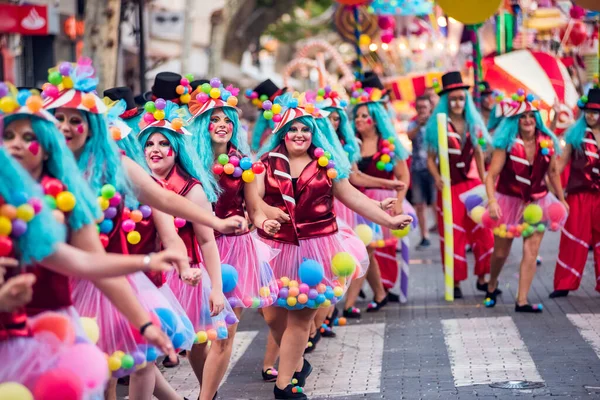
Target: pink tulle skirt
251, 259
117, 336
195, 300
345, 214
513, 221
381, 232
306, 273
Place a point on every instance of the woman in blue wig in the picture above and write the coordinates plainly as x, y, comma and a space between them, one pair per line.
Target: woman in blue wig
520, 204
467, 141
583, 189
172, 159
383, 157
303, 174
263, 127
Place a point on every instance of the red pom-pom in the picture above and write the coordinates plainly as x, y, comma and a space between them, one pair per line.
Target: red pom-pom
488, 222
218, 169
258, 167
53, 187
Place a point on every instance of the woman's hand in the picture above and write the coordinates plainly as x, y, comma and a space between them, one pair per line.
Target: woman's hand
276, 214
566, 205
235, 225
5, 263
439, 183
388, 204
395, 184
271, 227
163, 261
494, 210
16, 292
216, 302
399, 221
157, 338
191, 276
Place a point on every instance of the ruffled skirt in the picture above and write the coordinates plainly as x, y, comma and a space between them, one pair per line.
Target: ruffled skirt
381, 232
317, 272
126, 348
252, 284
345, 214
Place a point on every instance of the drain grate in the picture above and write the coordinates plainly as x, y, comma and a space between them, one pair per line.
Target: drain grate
517, 385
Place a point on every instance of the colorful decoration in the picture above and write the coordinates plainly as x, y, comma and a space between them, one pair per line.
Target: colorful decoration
22, 102
14, 217
386, 160
214, 90
184, 89
364, 233
470, 11
442, 123
345, 23
324, 160
401, 7
237, 167
360, 95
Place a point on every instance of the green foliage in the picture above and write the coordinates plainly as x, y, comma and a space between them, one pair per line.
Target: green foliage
294, 29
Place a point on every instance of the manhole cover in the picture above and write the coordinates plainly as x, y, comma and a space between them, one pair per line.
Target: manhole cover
517, 385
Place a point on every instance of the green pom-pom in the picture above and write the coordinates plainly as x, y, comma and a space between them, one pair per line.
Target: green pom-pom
327, 155
150, 107
380, 165
50, 201
189, 77
55, 78
321, 92
541, 228
584, 99
108, 191
206, 88
223, 159
264, 97
268, 115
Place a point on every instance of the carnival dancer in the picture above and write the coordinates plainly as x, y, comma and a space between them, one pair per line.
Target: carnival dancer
519, 202
583, 196
303, 174
467, 138
263, 128
487, 101
383, 157
170, 155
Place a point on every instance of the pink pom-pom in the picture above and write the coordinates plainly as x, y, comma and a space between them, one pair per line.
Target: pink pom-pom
319, 152
277, 118
184, 82
179, 222
149, 118
202, 97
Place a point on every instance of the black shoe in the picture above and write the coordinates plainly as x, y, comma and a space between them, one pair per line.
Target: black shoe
490, 298
483, 287
362, 294
458, 293
299, 378
312, 343
538, 260
330, 320
424, 244
326, 331
290, 392
123, 381
375, 306
352, 312
559, 293
393, 298
167, 363
469, 249
270, 375
528, 308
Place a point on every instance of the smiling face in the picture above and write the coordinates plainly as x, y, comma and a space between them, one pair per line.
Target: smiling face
363, 120
298, 139
592, 118
527, 123
334, 118
159, 154
21, 143
74, 127
456, 101
487, 102
220, 127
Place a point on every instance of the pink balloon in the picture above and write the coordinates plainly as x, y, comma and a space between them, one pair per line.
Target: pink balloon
556, 212
488, 222
58, 384
88, 362
386, 22
387, 36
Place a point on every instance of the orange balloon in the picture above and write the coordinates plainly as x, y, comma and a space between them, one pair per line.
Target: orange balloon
57, 324
212, 334
136, 216
228, 168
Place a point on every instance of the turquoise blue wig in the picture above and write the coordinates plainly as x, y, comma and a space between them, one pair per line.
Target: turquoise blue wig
474, 121
43, 232
507, 131
185, 157
385, 126
130, 145
203, 145
259, 129
62, 165
346, 133
342, 165
494, 120
574, 135
100, 160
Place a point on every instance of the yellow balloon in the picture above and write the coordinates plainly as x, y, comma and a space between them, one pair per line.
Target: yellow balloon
90, 327
114, 363
14, 391
477, 214
248, 176
343, 264
400, 233
364, 233
470, 11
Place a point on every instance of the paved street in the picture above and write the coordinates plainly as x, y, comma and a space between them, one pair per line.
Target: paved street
430, 349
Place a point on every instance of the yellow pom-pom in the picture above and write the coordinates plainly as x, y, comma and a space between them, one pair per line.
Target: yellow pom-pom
67, 83
264, 291
326, 303
159, 115
215, 93
114, 363
65, 201
248, 176
364, 233
134, 237
185, 98
202, 337
477, 214
276, 108
323, 161
380, 243
285, 280
8, 104
5, 226
91, 329
343, 264
364, 40
103, 203
293, 283
338, 291
291, 301
25, 212
385, 158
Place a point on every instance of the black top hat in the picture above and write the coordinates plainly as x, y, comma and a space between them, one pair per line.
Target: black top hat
198, 82
484, 88
165, 85
452, 81
372, 80
593, 100
124, 93
270, 89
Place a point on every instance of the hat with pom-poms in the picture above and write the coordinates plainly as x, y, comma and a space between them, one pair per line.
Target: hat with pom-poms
266, 90
15, 102
290, 107
119, 130
326, 97
163, 113
211, 95
591, 101
73, 86
521, 103
360, 95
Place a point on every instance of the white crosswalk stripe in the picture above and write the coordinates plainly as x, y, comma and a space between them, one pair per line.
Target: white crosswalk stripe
588, 326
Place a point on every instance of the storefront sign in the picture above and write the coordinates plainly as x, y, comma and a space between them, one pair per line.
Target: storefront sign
24, 19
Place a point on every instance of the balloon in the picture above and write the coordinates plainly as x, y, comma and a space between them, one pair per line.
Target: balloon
533, 214
473, 201
556, 212
343, 264
229, 276
14, 391
487, 221
168, 320
108, 191
386, 22
365, 233
477, 213
58, 384
387, 35
311, 272
134, 237
90, 327
55, 323
470, 11
88, 362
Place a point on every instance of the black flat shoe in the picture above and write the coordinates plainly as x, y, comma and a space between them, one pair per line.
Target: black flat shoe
290, 392
559, 293
326, 331
167, 363
458, 293
270, 375
483, 287
299, 378
393, 298
490, 298
352, 312
528, 308
330, 320
312, 343
362, 294
375, 306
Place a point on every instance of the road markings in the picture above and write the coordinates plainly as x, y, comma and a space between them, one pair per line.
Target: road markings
240, 344
487, 350
588, 326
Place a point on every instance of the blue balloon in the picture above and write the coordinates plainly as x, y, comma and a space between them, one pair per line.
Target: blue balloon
311, 304
230, 277
472, 201
178, 340
168, 320
106, 226
311, 272
245, 163
222, 332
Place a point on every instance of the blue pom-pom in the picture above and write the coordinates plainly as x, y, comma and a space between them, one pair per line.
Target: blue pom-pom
22, 96
225, 94
293, 103
389, 167
222, 332
311, 304
19, 198
282, 302
248, 92
311, 272
530, 97
106, 226
344, 103
320, 298
245, 163
580, 104
545, 152
229, 276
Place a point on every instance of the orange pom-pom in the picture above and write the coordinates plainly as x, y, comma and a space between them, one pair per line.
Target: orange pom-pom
232, 101
228, 168
332, 173
180, 89
88, 100
177, 124
136, 216
34, 103
115, 133
212, 334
